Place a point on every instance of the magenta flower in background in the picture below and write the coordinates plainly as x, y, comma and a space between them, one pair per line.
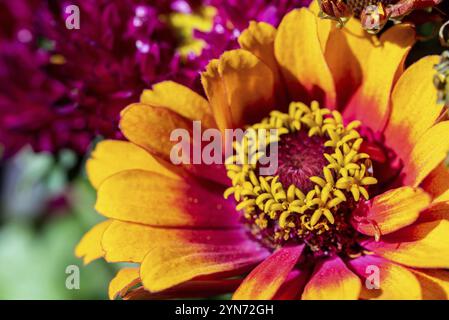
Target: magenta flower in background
60, 88
233, 16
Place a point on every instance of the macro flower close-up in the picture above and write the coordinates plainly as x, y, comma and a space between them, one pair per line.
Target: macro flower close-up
360, 184
214, 157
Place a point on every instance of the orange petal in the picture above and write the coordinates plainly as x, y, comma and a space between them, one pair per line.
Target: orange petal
89, 247
409, 120
345, 52
427, 154
437, 183
325, 25
345, 69
385, 280
153, 199
164, 268
360, 42
111, 156
213, 85
390, 211
125, 279
332, 280
259, 39
151, 128
423, 245
434, 283
371, 103
266, 279
240, 88
300, 56
180, 99
130, 242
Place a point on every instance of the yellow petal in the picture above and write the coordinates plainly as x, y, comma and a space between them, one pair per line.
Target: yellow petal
346, 70
164, 268
427, 154
385, 280
125, 279
346, 51
360, 42
259, 39
150, 127
332, 280
391, 211
300, 56
156, 200
423, 245
324, 26
89, 247
409, 120
111, 156
314, 6
180, 99
240, 88
372, 101
216, 94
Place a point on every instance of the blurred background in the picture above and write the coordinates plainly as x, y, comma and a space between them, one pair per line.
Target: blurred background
61, 91
44, 213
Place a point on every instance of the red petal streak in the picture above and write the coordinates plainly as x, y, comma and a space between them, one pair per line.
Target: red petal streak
190, 289
375, 152
293, 286
265, 280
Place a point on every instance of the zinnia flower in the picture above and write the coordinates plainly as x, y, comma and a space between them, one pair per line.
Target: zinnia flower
360, 190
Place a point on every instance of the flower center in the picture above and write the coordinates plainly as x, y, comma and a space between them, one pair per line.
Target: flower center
299, 158
321, 176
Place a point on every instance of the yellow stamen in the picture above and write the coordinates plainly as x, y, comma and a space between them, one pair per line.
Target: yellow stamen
345, 176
